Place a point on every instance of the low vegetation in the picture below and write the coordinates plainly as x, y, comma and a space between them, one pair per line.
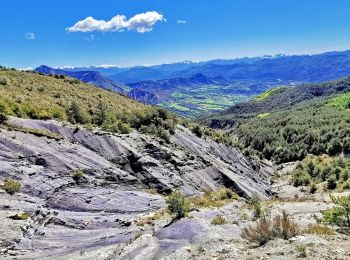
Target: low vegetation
150, 219
36, 132
338, 215
267, 93
213, 198
266, 229
318, 229
219, 220
218, 136
334, 172
254, 203
20, 216
78, 176
11, 186
341, 101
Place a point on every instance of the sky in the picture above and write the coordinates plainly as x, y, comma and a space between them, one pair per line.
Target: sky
147, 32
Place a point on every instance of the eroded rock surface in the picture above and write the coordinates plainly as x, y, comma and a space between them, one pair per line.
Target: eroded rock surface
68, 216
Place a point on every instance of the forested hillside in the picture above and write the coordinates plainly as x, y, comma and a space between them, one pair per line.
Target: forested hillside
286, 124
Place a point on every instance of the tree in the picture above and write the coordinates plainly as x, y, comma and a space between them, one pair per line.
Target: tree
76, 114
177, 204
101, 113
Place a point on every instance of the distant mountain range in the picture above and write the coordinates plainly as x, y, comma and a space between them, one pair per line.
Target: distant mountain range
279, 69
193, 88
91, 77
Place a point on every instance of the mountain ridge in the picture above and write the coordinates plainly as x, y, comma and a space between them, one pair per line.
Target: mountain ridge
91, 77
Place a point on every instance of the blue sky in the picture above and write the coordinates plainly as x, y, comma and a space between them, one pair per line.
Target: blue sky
35, 32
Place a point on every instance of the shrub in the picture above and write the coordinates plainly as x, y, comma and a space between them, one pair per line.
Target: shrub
4, 80
313, 188
339, 214
78, 176
41, 89
266, 229
177, 204
254, 203
118, 127
11, 186
197, 130
302, 250
218, 220
331, 182
3, 114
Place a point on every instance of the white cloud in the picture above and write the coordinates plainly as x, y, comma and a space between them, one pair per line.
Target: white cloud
30, 36
141, 23
181, 22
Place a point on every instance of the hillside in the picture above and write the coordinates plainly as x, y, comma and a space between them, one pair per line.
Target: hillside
286, 124
91, 77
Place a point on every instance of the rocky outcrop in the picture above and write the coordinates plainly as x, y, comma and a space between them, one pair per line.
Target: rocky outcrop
116, 171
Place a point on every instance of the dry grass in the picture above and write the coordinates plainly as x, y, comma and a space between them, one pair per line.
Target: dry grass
318, 229
36, 132
216, 199
266, 229
151, 191
218, 220
20, 216
150, 219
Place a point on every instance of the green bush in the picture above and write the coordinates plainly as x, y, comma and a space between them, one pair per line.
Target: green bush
3, 113
4, 80
339, 214
254, 203
11, 186
197, 130
177, 204
78, 176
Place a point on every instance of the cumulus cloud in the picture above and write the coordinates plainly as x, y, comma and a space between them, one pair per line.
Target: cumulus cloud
181, 21
30, 36
141, 23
